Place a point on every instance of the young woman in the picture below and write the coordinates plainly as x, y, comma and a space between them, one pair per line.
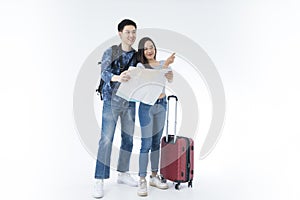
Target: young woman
152, 118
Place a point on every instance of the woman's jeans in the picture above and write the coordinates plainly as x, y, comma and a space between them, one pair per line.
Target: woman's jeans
113, 109
152, 122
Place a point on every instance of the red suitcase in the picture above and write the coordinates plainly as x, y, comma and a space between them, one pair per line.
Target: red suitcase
177, 155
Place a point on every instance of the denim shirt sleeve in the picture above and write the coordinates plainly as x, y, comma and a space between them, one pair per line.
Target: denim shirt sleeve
106, 70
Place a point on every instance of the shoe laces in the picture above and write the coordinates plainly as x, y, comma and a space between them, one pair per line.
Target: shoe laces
98, 186
160, 178
99, 182
143, 183
127, 175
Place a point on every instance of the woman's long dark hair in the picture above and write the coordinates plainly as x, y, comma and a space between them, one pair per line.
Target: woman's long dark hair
140, 54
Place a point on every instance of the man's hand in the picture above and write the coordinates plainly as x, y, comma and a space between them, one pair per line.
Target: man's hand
123, 77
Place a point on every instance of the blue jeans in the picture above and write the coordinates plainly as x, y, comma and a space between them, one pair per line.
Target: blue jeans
112, 110
152, 122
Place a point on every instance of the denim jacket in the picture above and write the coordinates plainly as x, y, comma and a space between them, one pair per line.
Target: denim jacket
110, 68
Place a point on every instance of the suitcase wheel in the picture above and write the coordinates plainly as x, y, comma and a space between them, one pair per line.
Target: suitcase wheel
190, 184
163, 180
177, 186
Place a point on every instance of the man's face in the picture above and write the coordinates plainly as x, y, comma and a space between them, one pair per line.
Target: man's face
128, 35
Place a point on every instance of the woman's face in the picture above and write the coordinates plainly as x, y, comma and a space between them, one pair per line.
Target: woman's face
149, 50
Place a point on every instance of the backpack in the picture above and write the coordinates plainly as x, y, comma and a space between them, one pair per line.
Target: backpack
114, 56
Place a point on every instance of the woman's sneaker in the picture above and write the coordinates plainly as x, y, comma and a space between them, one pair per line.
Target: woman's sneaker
142, 191
158, 182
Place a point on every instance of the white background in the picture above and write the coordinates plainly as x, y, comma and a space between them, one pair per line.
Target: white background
255, 46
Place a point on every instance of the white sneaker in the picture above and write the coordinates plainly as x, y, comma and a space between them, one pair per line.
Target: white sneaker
125, 178
158, 182
142, 191
98, 189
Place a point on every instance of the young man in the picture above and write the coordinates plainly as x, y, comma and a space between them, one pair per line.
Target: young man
114, 65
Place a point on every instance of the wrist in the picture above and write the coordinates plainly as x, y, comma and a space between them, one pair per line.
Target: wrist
115, 78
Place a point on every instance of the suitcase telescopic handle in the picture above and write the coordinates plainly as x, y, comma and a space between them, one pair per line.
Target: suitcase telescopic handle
172, 96
175, 124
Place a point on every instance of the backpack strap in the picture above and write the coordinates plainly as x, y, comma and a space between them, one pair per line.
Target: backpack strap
115, 55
